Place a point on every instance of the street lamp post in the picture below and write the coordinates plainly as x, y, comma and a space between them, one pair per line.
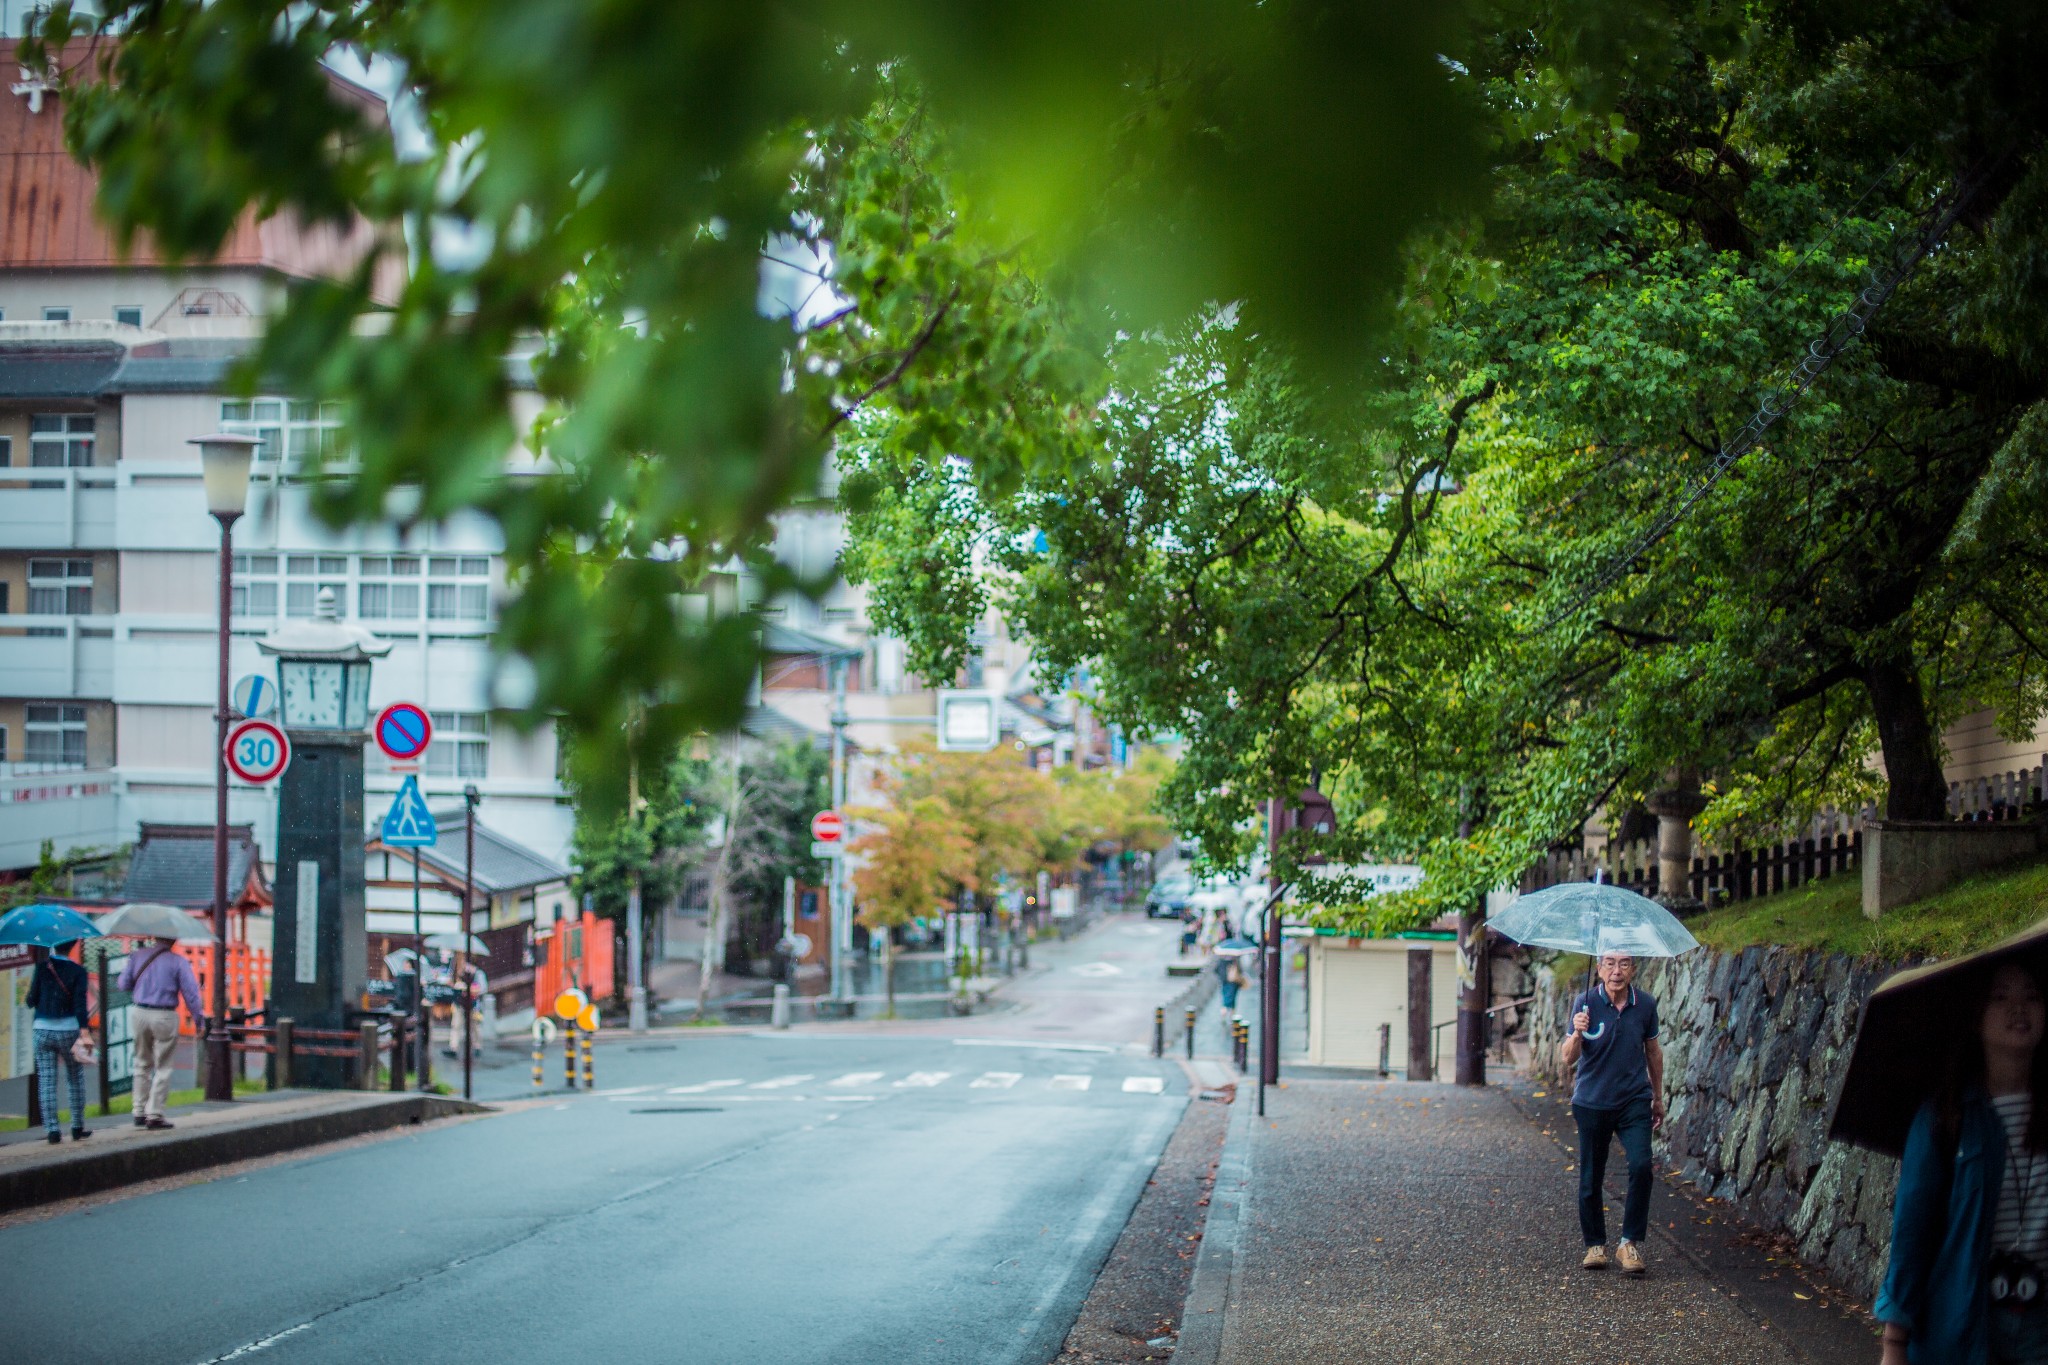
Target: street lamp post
224, 461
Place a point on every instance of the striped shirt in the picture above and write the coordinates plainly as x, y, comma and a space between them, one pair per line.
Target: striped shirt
2021, 1223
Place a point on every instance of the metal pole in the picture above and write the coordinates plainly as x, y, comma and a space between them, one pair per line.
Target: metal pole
220, 1081
842, 917
470, 796
419, 975
1269, 957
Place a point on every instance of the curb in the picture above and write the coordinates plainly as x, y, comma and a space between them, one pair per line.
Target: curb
67, 1176
1207, 1308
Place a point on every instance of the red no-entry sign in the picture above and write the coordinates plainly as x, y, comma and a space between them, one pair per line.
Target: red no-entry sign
828, 826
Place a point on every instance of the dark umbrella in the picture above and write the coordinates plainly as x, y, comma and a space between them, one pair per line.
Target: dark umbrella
1903, 1044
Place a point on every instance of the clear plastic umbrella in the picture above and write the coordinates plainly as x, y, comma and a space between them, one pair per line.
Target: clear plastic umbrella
148, 919
1594, 918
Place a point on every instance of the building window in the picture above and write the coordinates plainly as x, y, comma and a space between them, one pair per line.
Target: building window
389, 588
54, 734
306, 575
461, 745
458, 588
128, 314
255, 586
56, 315
59, 587
57, 440
288, 428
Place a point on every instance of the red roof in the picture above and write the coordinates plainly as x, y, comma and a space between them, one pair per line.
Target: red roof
46, 210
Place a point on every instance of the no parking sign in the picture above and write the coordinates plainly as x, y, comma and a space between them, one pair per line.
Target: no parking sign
402, 730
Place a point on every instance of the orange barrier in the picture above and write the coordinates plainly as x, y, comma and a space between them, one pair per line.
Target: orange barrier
248, 978
577, 953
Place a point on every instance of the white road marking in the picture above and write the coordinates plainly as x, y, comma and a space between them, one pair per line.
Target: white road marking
857, 1078
1034, 1044
701, 1087
1098, 969
625, 1090
1144, 1085
924, 1078
1071, 1082
996, 1080
780, 1082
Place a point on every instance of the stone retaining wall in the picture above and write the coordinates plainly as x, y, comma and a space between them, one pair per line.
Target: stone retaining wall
1755, 1047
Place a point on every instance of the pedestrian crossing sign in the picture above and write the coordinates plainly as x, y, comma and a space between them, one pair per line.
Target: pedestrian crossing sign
409, 824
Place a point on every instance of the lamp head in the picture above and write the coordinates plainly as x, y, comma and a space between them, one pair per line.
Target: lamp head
224, 457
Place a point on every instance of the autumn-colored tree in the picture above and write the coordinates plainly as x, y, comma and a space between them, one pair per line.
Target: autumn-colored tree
914, 856
998, 802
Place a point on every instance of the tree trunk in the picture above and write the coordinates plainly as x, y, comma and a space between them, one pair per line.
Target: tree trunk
1912, 750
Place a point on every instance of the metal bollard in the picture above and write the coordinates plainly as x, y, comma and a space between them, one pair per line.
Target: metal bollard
568, 1056
539, 1060
1159, 1031
1191, 1033
584, 1036
778, 1013
1386, 1050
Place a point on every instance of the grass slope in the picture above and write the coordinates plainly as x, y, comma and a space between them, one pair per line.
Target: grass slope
1828, 915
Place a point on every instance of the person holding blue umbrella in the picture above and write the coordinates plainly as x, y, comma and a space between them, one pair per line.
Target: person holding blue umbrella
60, 996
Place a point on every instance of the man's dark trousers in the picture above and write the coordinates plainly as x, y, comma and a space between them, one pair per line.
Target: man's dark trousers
1597, 1129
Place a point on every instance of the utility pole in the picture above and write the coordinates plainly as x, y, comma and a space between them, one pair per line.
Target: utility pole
636, 986
842, 917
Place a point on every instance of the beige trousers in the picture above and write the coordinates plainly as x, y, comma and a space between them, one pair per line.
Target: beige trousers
156, 1041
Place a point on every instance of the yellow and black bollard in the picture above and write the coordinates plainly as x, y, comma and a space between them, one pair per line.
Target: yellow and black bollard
568, 1056
539, 1057
1191, 1032
588, 1081
1159, 1031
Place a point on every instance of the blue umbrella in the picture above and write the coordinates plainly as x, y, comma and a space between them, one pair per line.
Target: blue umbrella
45, 926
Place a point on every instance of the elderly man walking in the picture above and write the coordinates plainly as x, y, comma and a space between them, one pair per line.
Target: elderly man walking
1618, 1092
157, 976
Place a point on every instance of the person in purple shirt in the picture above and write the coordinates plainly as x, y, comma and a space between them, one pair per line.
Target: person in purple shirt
157, 977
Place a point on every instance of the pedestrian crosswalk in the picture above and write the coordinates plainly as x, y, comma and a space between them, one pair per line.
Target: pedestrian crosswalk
872, 1085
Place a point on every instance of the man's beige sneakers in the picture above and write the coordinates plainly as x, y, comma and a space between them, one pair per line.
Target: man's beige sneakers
1631, 1259
1596, 1258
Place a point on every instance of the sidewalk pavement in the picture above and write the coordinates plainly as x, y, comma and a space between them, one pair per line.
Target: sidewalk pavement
1387, 1221
34, 1171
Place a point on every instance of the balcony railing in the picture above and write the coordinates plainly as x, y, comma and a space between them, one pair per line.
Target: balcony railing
57, 509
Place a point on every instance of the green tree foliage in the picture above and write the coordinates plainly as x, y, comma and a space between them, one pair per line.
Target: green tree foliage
1425, 589
615, 172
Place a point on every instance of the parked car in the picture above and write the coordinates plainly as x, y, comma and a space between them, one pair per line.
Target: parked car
1169, 896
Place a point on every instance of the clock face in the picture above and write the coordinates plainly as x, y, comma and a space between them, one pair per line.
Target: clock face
356, 708
310, 694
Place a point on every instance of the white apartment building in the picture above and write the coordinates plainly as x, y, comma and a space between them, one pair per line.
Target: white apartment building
108, 558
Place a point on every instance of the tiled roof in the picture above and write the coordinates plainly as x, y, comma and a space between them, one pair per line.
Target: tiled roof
767, 723
777, 638
174, 864
501, 864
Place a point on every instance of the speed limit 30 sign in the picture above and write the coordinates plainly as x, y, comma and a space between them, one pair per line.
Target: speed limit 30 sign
257, 751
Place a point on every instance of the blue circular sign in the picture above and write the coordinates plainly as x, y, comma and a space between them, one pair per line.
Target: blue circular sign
402, 731
255, 696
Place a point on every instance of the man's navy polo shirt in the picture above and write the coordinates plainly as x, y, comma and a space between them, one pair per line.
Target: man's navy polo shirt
1613, 1067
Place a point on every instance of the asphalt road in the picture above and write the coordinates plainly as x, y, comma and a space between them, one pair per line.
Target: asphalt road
845, 1196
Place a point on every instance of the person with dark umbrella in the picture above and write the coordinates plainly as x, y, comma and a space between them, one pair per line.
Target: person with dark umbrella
1969, 1251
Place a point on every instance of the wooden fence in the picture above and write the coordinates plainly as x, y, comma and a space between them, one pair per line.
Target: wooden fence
1738, 873
2000, 796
